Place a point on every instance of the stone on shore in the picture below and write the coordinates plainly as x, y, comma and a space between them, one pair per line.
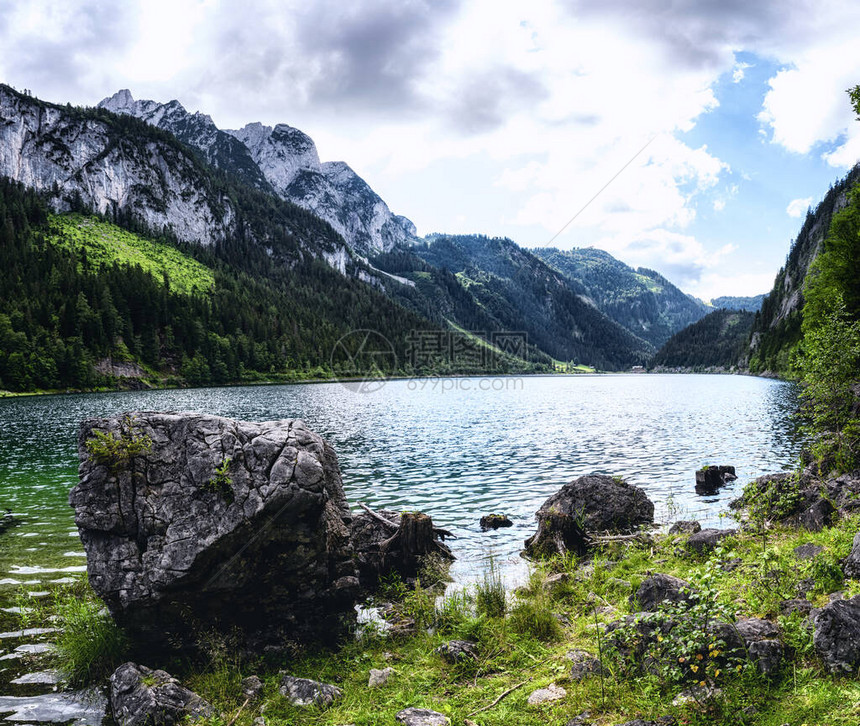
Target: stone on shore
223, 524
661, 588
852, 562
421, 717
305, 692
140, 696
457, 651
707, 540
587, 506
836, 635
546, 695
379, 677
685, 526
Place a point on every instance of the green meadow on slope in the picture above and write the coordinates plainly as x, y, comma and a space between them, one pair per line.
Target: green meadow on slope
99, 244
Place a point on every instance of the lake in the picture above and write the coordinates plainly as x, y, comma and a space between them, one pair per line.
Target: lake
455, 448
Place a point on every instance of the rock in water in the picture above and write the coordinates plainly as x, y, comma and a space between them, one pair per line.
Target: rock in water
140, 696
224, 524
588, 505
710, 478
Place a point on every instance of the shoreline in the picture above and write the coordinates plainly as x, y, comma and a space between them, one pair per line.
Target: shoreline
768, 375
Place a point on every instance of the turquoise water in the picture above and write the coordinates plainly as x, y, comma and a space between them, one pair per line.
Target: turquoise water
455, 448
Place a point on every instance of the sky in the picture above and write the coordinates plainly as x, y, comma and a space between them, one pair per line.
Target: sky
686, 137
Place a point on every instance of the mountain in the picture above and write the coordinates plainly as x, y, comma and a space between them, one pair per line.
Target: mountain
749, 304
641, 300
776, 332
716, 341
284, 160
483, 283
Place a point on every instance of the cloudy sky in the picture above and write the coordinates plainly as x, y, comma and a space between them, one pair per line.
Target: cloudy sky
715, 123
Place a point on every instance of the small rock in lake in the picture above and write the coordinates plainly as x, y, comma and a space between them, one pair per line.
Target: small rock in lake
546, 695
305, 692
422, 717
709, 479
495, 521
379, 677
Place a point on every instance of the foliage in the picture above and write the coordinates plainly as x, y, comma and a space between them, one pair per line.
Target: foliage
90, 645
490, 596
534, 617
117, 449
98, 244
831, 352
642, 300
221, 483
717, 340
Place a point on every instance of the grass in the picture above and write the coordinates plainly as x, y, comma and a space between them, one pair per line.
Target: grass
105, 244
523, 646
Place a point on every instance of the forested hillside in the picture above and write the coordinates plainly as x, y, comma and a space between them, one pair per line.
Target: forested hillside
642, 301
515, 290
716, 341
776, 332
75, 290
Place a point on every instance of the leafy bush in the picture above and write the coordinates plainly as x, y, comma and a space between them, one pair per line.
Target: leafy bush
116, 450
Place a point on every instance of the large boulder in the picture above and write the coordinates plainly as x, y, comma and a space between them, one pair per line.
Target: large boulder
192, 521
836, 635
852, 562
589, 505
140, 696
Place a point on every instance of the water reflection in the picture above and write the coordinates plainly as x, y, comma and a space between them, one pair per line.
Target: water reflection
457, 453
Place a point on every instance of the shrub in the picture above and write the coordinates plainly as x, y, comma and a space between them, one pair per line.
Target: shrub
90, 645
116, 450
490, 593
533, 617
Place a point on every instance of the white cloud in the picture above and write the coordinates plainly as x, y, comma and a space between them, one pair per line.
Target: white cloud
797, 207
719, 205
739, 71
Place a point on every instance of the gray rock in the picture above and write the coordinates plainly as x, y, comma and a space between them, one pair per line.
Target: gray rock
684, 526
81, 708
169, 544
379, 677
140, 696
711, 478
305, 692
662, 721
546, 695
761, 639
836, 635
421, 717
852, 562
495, 521
818, 516
807, 551
706, 540
661, 588
582, 719
583, 664
588, 505
798, 605
252, 688
456, 651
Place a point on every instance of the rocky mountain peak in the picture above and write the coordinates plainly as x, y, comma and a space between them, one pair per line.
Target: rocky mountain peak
283, 159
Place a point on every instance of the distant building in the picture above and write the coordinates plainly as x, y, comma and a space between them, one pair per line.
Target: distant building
637, 369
